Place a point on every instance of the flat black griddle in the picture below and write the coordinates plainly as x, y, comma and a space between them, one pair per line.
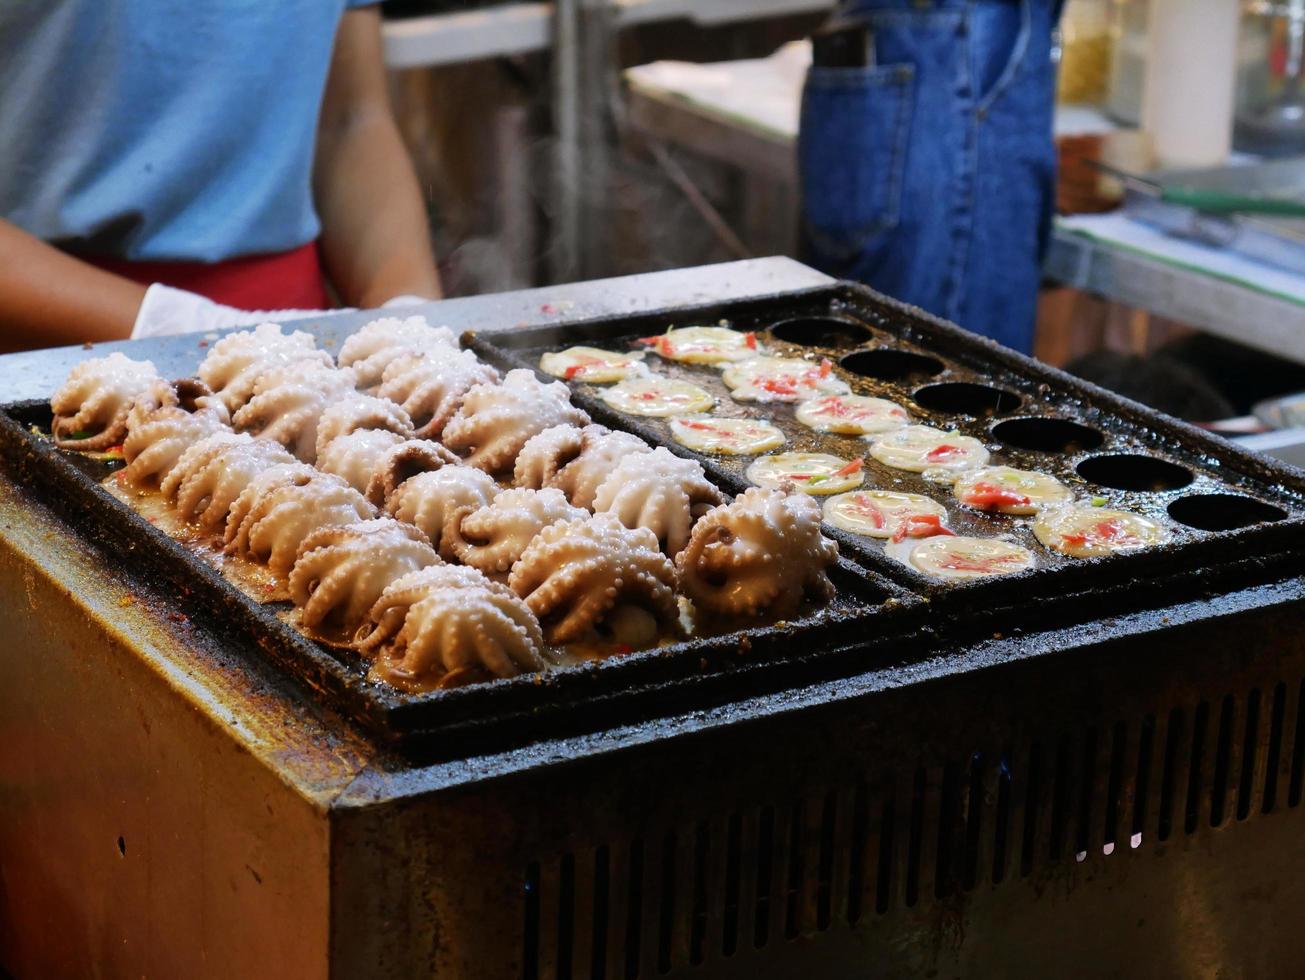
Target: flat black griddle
1233, 514
869, 622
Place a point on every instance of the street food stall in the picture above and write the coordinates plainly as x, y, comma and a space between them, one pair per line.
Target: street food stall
1003, 742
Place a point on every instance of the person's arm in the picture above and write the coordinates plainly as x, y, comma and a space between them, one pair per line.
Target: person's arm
375, 238
48, 298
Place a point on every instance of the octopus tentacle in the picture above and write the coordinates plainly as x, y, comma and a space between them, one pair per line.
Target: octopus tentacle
340, 572
441, 624
430, 386
659, 491
427, 499
491, 538
581, 575
763, 553
91, 406
495, 420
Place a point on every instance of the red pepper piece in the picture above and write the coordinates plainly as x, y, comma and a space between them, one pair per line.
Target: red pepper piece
1114, 532
946, 451
921, 526
779, 386
660, 343
750, 340
865, 507
989, 496
963, 563
851, 468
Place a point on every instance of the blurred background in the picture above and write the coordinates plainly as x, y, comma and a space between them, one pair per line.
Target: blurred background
591, 138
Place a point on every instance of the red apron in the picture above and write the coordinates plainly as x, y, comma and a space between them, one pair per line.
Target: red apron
282, 281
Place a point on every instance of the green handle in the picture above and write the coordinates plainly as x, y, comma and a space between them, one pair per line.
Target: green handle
1220, 203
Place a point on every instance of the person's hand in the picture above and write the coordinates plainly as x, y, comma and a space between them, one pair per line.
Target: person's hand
166, 311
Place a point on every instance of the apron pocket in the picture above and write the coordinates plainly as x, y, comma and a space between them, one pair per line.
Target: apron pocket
855, 127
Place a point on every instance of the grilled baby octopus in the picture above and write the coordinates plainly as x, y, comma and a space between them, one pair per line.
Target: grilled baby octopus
289, 402
659, 491
496, 420
370, 350
428, 500
90, 408
444, 625
341, 571
212, 473
375, 461
574, 460
763, 553
596, 576
282, 506
430, 386
163, 423
235, 363
492, 538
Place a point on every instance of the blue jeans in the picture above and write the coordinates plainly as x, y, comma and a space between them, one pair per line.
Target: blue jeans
931, 175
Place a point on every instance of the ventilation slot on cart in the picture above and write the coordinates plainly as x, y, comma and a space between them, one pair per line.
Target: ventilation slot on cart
725, 885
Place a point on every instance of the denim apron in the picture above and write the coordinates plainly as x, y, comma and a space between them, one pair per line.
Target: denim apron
930, 175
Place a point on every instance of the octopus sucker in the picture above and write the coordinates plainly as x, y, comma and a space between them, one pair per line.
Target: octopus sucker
282, 506
495, 421
761, 554
658, 491
574, 460
428, 499
578, 576
233, 365
443, 625
371, 350
288, 403
354, 412
212, 473
491, 538
340, 571
91, 406
430, 386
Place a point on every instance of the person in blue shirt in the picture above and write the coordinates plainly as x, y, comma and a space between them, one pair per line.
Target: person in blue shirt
163, 163
929, 173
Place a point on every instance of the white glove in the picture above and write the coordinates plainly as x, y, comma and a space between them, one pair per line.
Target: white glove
166, 311
406, 299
